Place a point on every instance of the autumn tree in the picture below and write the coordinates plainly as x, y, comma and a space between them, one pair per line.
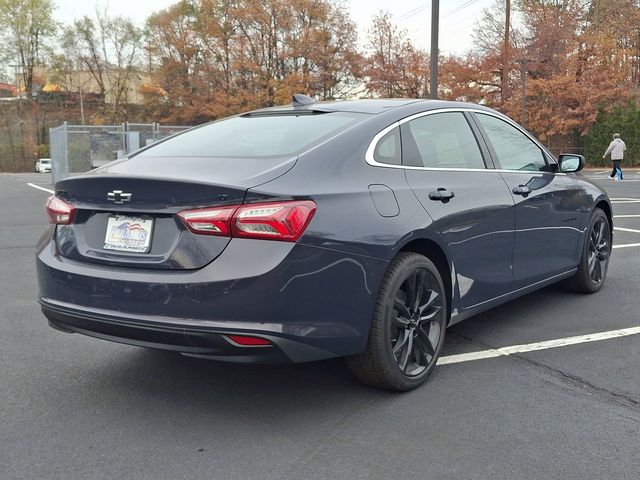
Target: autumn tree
213, 58
488, 44
574, 68
25, 25
611, 38
176, 51
393, 66
470, 78
303, 45
109, 48
551, 34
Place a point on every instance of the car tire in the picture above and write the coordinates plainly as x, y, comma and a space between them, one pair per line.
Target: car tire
407, 330
595, 255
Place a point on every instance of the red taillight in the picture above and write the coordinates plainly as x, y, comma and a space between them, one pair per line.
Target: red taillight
209, 221
59, 211
285, 221
246, 341
275, 221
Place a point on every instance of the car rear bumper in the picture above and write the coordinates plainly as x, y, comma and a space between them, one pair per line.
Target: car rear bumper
310, 303
190, 339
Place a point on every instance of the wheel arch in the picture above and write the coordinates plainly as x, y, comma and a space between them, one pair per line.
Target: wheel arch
606, 208
434, 252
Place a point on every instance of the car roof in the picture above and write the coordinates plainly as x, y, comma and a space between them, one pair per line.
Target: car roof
370, 106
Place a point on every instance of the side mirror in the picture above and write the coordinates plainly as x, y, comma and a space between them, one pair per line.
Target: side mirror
570, 163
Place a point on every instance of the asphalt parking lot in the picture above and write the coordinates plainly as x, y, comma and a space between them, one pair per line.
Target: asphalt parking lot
73, 407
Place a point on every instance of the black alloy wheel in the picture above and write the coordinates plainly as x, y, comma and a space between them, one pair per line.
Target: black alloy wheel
595, 256
599, 250
416, 323
408, 326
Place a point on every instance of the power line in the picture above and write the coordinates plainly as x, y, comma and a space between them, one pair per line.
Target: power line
461, 7
466, 26
413, 12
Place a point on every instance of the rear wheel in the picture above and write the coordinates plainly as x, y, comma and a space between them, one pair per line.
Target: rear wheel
408, 326
594, 260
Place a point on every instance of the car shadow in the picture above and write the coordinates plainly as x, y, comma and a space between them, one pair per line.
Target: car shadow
265, 392
269, 392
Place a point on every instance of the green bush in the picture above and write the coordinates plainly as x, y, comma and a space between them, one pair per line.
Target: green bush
622, 120
42, 151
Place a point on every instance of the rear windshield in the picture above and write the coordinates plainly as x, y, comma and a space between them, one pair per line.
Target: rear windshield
255, 136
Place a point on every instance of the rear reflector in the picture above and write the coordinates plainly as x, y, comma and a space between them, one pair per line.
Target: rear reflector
284, 221
59, 211
245, 341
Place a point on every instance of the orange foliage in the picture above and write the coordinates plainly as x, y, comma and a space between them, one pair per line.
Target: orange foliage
218, 57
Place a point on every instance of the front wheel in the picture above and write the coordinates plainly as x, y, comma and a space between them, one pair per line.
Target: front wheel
594, 260
408, 326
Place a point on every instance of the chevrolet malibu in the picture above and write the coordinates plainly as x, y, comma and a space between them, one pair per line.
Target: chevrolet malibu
357, 229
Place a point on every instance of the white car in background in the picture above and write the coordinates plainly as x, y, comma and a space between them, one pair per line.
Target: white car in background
43, 165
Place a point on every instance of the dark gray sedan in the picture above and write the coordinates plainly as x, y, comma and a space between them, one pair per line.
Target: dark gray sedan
355, 229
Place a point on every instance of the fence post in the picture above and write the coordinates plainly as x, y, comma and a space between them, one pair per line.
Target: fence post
59, 145
124, 137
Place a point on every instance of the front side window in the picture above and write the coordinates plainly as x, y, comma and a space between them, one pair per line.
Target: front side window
514, 150
441, 140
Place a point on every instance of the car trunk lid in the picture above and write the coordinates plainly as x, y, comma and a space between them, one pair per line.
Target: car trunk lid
116, 202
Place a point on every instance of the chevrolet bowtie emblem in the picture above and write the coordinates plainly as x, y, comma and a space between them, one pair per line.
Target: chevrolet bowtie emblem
118, 196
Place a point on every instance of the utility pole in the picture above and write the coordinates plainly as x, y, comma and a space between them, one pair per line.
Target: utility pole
505, 52
523, 90
435, 14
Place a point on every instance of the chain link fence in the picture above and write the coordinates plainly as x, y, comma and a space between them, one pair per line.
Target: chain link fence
79, 148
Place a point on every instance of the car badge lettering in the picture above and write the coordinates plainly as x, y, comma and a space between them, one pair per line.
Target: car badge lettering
118, 196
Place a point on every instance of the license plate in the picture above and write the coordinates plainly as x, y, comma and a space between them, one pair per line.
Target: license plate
128, 234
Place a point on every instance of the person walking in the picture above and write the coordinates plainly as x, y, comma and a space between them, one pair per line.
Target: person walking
616, 150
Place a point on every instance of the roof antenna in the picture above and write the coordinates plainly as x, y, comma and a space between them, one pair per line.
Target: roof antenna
300, 100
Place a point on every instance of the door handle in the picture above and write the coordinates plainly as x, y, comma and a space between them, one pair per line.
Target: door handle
442, 194
521, 190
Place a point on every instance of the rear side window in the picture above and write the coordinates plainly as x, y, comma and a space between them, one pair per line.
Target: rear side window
441, 140
255, 136
388, 148
514, 150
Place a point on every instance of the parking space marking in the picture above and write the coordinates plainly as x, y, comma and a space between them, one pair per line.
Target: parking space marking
602, 180
625, 200
632, 230
531, 347
627, 245
626, 216
41, 188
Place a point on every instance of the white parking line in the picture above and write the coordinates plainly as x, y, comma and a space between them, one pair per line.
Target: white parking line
626, 245
601, 179
626, 216
41, 188
625, 200
530, 347
632, 230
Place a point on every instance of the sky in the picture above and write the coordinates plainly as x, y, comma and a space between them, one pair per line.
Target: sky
457, 17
